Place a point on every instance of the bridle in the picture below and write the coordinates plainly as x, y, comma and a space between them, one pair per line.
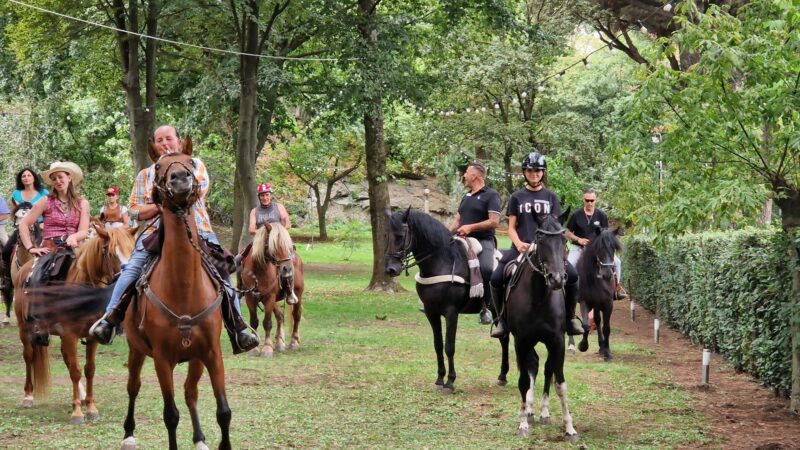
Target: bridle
405, 255
533, 256
164, 189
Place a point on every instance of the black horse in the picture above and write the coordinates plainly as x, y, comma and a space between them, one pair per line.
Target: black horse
414, 234
536, 313
596, 289
9, 259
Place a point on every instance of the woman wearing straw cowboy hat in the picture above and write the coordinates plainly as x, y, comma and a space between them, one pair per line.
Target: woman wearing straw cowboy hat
66, 215
66, 225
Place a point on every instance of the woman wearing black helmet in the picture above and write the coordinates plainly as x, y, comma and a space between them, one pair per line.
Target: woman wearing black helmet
533, 199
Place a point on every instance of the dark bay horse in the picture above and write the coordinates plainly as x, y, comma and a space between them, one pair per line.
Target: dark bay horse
596, 289
418, 235
273, 271
15, 256
96, 263
177, 317
536, 313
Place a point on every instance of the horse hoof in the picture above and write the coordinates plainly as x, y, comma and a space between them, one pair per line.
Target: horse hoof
544, 421
129, 443
571, 438
92, 416
583, 346
76, 420
608, 357
254, 352
501, 382
27, 402
523, 432
200, 445
266, 354
5, 321
281, 347
571, 349
447, 390
294, 345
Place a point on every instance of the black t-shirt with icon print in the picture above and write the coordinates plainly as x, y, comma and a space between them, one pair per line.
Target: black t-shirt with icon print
587, 226
525, 203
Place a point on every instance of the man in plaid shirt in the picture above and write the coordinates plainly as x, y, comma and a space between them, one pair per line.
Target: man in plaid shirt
166, 141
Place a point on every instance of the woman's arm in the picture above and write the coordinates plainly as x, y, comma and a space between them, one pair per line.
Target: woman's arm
252, 227
73, 240
284, 217
125, 219
521, 247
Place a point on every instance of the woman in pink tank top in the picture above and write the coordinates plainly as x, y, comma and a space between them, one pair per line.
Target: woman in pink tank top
66, 215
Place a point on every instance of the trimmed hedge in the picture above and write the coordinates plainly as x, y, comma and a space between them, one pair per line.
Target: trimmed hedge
729, 291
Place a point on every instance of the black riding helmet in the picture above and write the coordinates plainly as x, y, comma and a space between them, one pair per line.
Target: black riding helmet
534, 160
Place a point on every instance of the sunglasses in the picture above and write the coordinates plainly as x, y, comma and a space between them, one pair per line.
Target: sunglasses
589, 200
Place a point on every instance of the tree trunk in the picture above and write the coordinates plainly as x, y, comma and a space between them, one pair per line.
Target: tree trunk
788, 200
378, 189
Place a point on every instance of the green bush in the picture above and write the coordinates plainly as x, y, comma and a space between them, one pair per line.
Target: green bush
729, 291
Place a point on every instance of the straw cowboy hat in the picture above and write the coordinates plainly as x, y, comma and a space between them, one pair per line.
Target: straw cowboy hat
64, 166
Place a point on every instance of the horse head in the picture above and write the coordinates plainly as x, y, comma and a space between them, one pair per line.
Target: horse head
601, 251
175, 185
103, 256
550, 243
20, 211
400, 242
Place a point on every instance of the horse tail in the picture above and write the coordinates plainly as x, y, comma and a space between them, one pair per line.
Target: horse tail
41, 371
259, 249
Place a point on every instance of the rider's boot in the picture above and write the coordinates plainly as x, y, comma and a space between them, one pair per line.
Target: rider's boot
238, 331
486, 315
105, 329
619, 291
574, 325
500, 328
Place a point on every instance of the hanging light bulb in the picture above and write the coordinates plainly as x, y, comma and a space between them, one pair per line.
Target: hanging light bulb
541, 88
497, 106
558, 75
668, 6
524, 94
469, 110
483, 109
643, 29
611, 48
585, 63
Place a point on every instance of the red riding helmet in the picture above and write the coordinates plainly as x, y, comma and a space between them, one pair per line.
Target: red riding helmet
264, 188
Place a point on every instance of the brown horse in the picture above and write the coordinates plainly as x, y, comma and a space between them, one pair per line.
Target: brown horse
96, 263
273, 272
177, 317
15, 256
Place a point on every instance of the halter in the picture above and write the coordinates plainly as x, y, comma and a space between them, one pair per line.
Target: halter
163, 189
405, 255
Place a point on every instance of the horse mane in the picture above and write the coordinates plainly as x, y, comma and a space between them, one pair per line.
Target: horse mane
266, 243
89, 264
427, 228
607, 240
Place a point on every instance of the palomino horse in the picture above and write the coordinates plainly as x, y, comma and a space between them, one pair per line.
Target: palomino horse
15, 256
96, 263
177, 317
596, 290
273, 271
416, 234
535, 311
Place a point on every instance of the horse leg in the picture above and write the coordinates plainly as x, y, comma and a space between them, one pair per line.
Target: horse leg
267, 349
190, 394
557, 353
27, 355
69, 352
216, 372
280, 333
501, 379
171, 415
584, 344
598, 324
135, 363
526, 360
544, 405
88, 372
297, 315
8, 297
571, 345
436, 326
451, 321
607, 332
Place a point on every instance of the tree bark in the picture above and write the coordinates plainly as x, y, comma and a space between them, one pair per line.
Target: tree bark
378, 189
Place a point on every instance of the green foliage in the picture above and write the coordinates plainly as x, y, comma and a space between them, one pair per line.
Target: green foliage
351, 234
729, 291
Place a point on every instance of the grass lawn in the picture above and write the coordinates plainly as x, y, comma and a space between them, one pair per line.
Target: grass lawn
361, 382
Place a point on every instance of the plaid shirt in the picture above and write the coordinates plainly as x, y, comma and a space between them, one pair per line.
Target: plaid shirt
142, 194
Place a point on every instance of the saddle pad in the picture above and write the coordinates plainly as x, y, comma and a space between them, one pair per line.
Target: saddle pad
439, 279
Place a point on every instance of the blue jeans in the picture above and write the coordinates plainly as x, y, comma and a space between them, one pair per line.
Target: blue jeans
133, 270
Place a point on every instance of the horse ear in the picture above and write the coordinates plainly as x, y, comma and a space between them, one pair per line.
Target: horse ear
562, 219
187, 148
538, 219
101, 231
406, 214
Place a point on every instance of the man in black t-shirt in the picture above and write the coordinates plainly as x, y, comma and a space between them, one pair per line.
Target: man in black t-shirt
584, 225
478, 216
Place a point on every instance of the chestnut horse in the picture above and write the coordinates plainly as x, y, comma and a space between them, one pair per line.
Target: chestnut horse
273, 272
96, 263
177, 316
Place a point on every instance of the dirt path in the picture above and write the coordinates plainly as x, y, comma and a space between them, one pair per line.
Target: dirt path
739, 410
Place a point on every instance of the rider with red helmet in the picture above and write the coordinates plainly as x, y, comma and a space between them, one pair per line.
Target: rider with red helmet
267, 211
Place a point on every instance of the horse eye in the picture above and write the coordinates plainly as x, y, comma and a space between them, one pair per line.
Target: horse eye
158, 166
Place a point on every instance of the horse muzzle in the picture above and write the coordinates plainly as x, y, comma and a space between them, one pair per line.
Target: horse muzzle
555, 280
180, 183
393, 269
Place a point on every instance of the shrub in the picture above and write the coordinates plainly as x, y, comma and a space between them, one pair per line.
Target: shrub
728, 291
